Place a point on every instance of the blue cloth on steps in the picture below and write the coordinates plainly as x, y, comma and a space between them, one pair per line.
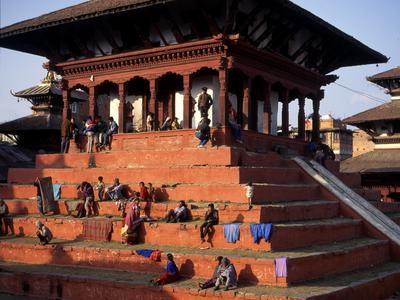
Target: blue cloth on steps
231, 232
261, 231
57, 191
145, 252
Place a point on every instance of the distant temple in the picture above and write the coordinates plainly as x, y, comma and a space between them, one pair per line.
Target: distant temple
380, 168
41, 130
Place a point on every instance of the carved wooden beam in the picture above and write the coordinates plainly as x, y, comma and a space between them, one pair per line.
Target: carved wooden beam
212, 25
79, 37
160, 34
107, 32
144, 39
176, 31
307, 43
257, 27
243, 28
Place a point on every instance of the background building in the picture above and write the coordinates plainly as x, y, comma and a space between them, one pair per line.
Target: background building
380, 168
362, 142
41, 131
335, 134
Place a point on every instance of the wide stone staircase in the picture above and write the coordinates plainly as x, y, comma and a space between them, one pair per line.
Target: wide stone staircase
331, 252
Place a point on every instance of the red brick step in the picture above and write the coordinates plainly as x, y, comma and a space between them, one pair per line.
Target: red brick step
302, 234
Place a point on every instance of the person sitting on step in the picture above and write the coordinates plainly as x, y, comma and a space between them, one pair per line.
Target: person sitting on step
211, 218
112, 129
114, 192
144, 193
3, 215
179, 214
228, 275
217, 272
43, 233
203, 132
171, 274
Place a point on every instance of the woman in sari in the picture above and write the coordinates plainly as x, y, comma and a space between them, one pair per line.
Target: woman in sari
129, 232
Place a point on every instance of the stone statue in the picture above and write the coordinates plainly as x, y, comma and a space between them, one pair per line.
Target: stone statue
205, 102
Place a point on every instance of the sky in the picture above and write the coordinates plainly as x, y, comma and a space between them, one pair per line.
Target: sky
375, 23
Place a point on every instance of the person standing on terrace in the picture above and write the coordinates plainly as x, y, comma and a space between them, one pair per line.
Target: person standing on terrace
205, 102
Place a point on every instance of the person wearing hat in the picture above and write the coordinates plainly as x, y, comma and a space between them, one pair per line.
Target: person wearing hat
205, 102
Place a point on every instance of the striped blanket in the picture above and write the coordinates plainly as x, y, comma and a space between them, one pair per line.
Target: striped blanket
97, 230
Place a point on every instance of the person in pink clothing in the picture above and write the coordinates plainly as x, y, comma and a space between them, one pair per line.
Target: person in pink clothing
132, 223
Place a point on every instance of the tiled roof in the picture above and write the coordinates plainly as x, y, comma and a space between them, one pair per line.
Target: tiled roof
86, 10
377, 160
47, 89
31, 123
37, 90
389, 74
387, 111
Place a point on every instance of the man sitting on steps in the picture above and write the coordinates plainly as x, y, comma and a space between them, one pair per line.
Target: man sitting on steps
43, 233
211, 218
179, 214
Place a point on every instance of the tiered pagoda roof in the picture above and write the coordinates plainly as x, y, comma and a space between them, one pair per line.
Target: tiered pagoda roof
387, 111
99, 28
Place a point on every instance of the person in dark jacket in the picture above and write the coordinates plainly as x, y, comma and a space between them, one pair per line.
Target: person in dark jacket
323, 153
211, 218
203, 132
205, 102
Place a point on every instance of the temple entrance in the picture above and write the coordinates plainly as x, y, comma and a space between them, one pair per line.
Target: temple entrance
170, 98
136, 104
79, 109
107, 101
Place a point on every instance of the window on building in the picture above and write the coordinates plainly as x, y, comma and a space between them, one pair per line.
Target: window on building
336, 137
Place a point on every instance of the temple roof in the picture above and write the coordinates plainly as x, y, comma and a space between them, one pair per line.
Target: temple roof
387, 111
32, 123
386, 160
85, 10
49, 86
389, 74
38, 90
273, 25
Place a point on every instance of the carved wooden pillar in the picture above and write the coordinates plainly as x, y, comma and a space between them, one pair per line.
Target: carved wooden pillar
267, 110
223, 96
66, 113
301, 119
247, 107
92, 101
144, 111
153, 107
121, 108
285, 112
187, 107
171, 104
315, 118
